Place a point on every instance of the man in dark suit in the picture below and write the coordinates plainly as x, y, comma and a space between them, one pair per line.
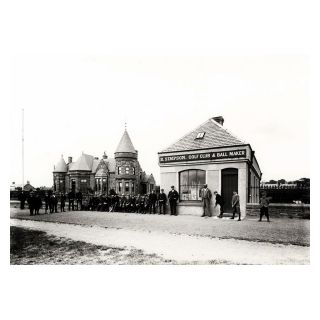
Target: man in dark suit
152, 200
162, 202
47, 202
173, 197
37, 203
62, 202
71, 200
54, 203
79, 200
31, 203
22, 197
220, 202
206, 196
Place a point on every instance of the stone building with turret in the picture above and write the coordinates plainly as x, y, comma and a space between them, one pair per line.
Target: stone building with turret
89, 174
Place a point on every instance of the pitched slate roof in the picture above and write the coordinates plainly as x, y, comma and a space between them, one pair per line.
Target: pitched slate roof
215, 136
84, 163
61, 166
125, 144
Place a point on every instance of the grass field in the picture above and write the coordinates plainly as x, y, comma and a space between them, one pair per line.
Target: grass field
36, 247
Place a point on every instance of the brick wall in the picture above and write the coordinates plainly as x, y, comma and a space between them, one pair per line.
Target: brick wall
277, 210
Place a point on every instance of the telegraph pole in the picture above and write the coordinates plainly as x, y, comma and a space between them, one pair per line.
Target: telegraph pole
22, 135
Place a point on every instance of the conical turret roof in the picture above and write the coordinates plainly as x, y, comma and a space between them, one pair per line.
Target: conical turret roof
125, 144
61, 166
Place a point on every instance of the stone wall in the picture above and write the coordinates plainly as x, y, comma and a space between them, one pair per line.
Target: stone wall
277, 210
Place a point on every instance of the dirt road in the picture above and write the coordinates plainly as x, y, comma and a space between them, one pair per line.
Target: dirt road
181, 248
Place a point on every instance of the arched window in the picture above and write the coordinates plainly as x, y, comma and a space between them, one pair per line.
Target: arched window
190, 184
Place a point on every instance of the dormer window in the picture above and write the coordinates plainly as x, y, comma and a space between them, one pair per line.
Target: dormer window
200, 135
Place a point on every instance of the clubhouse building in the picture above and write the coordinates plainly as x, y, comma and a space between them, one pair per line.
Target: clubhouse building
210, 154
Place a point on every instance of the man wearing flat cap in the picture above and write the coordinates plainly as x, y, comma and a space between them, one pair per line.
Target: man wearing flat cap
206, 196
173, 197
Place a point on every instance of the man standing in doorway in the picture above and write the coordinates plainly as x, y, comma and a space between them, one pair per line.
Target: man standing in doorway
235, 202
220, 202
206, 196
173, 197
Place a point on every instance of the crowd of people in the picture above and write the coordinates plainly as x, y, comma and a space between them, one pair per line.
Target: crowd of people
151, 203
51, 202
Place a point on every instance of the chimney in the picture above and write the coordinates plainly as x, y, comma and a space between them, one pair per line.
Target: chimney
219, 119
69, 159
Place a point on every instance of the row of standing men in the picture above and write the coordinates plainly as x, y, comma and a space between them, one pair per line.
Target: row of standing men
150, 203
139, 204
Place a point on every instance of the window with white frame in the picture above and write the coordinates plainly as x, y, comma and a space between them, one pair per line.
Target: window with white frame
190, 184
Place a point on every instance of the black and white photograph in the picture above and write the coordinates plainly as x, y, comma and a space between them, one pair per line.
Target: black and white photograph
184, 168
161, 143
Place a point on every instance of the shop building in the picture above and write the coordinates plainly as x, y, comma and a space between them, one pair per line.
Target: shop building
90, 174
213, 155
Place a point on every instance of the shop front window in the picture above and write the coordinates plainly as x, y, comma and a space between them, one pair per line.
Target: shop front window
190, 184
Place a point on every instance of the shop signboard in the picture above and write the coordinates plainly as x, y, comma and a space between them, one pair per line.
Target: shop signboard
205, 156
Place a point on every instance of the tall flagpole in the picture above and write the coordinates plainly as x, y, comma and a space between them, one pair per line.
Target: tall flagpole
22, 133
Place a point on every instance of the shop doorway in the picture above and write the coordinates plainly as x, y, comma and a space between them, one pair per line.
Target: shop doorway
229, 183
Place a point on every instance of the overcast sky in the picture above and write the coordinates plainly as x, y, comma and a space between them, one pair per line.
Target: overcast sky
76, 103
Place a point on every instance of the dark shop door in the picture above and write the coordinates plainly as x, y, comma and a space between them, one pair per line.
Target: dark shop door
73, 186
229, 183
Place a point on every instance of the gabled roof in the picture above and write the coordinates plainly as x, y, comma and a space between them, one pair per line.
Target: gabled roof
84, 163
61, 166
125, 144
215, 136
101, 172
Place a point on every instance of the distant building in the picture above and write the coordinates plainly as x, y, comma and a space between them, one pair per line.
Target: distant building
27, 187
122, 173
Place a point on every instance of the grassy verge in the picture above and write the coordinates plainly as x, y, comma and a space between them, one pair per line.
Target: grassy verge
37, 247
